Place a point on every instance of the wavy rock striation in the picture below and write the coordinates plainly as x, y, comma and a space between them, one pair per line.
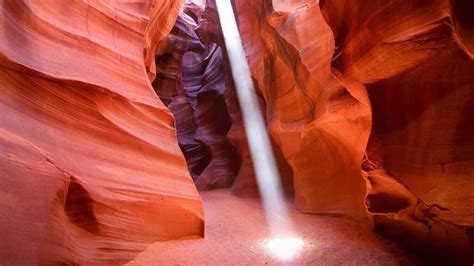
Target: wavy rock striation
209, 31
320, 122
369, 107
416, 62
90, 169
195, 83
191, 82
332, 73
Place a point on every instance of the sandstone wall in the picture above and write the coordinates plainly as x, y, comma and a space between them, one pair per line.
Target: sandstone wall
90, 167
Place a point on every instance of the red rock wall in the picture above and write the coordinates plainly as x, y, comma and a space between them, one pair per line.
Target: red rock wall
194, 82
334, 72
415, 60
191, 82
320, 122
90, 167
369, 107
209, 30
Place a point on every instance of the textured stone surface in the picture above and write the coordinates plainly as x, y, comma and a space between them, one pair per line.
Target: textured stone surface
90, 167
402, 69
369, 107
414, 58
320, 122
191, 81
194, 82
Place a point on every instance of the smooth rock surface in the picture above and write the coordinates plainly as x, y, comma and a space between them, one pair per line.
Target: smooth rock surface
91, 172
320, 121
414, 59
369, 106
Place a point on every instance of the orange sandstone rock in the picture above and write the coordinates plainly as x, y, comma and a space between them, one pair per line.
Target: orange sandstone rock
416, 61
334, 72
320, 121
90, 169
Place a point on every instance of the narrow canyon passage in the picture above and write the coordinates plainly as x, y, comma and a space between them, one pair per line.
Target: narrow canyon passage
124, 137
194, 81
198, 45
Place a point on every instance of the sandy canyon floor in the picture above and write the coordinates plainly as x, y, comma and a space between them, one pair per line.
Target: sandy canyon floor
236, 234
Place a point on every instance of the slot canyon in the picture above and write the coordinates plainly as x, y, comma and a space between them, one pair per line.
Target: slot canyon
125, 137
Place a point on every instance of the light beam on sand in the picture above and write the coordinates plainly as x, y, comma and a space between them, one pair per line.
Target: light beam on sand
283, 243
284, 248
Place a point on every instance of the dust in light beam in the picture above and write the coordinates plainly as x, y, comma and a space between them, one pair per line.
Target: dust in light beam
283, 243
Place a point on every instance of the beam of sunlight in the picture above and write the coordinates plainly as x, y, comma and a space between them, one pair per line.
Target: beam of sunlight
284, 244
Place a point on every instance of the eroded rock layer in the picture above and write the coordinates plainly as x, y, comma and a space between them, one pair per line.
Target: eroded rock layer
369, 106
320, 122
415, 60
91, 172
194, 82
329, 73
191, 82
